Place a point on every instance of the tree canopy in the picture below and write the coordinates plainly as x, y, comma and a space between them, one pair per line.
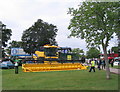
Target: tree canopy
114, 49
37, 35
5, 35
93, 53
79, 52
96, 22
15, 44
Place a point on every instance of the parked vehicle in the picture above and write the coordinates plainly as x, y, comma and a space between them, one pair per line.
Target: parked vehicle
117, 61
7, 64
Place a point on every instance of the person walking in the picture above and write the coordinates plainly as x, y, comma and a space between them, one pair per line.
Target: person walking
92, 66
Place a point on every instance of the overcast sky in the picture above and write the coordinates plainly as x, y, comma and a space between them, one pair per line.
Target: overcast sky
19, 15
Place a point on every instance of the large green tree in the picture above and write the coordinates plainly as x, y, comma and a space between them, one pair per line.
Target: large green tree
5, 35
37, 35
93, 53
96, 22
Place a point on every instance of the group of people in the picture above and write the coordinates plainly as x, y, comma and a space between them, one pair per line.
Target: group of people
100, 62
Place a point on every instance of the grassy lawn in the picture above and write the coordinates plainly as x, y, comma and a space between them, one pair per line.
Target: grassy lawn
58, 80
117, 66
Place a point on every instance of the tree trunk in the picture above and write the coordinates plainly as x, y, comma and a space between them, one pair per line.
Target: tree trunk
107, 63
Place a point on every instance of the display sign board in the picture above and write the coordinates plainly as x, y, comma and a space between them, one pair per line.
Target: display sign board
18, 52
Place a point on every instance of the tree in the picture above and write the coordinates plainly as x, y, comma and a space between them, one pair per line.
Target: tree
96, 22
14, 44
6, 34
0, 40
114, 49
93, 53
37, 35
118, 35
78, 51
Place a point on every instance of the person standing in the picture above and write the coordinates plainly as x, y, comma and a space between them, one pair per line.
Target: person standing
111, 62
92, 66
99, 64
16, 66
103, 63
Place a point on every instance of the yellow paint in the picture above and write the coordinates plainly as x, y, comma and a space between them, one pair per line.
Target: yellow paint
50, 46
69, 57
51, 57
40, 53
52, 67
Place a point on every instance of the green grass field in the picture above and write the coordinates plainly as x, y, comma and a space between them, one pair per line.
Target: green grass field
58, 80
117, 67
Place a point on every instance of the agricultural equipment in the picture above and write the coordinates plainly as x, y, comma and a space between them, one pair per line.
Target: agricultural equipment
53, 58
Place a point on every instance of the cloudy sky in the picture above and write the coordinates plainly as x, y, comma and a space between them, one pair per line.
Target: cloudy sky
19, 15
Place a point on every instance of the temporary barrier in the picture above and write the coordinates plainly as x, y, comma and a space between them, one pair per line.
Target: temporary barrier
38, 67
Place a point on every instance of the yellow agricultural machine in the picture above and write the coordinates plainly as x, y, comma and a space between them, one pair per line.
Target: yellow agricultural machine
53, 58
